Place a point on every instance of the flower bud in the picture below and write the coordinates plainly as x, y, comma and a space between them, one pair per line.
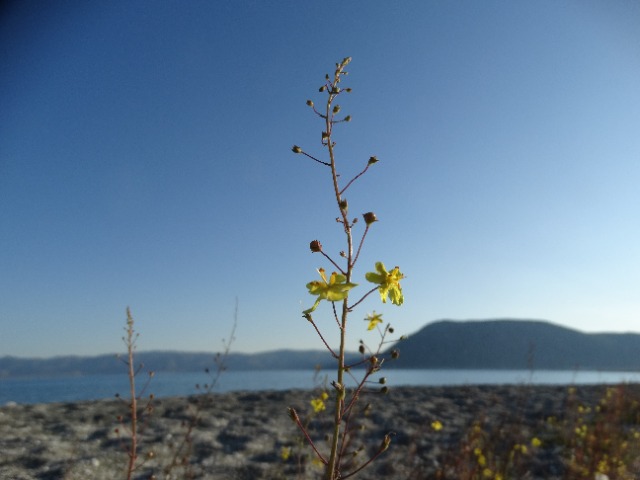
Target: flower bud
385, 443
347, 118
325, 135
344, 206
369, 218
361, 349
382, 380
293, 414
391, 330
296, 149
384, 390
342, 254
336, 109
373, 160
348, 90
322, 88
395, 354
310, 103
315, 246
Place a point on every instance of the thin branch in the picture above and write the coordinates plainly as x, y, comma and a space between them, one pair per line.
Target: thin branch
220, 362
314, 158
310, 320
360, 246
334, 263
363, 297
355, 178
380, 451
294, 415
335, 315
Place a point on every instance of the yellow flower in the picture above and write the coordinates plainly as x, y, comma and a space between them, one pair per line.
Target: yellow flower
536, 442
436, 425
285, 453
373, 319
487, 473
389, 283
324, 395
602, 467
318, 405
337, 288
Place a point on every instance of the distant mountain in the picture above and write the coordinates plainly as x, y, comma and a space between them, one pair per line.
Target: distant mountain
161, 361
488, 344
516, 344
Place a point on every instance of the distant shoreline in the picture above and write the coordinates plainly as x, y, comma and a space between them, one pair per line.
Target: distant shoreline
105, 386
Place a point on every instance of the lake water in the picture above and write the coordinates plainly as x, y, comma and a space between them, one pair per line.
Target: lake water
93, 387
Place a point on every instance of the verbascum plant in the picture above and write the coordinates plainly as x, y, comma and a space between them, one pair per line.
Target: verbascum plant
337, 288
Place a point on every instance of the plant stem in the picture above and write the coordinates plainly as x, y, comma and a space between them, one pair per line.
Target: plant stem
333, 466
133, 406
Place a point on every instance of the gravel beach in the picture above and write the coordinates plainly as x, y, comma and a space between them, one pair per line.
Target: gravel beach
245, 435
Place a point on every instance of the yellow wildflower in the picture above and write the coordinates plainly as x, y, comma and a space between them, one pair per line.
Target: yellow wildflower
536, 442
318, 405
373, 319
389, 283
335, 289
436, 425
285, 453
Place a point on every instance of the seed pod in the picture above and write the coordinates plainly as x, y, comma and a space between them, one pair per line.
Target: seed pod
315, 246
369, 218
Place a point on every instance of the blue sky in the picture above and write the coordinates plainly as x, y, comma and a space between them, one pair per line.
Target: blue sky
145, 161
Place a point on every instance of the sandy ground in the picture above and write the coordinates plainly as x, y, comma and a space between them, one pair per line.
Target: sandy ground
243, 435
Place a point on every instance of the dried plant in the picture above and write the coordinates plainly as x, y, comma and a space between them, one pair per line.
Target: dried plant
136, 413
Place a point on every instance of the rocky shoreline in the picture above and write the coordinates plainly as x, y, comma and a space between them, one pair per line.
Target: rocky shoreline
248, 435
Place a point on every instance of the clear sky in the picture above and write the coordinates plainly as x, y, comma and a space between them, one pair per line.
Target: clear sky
145, 161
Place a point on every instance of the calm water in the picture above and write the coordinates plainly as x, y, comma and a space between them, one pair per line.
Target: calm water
93, 387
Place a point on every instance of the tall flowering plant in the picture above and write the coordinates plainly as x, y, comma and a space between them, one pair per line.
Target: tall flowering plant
337, 288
